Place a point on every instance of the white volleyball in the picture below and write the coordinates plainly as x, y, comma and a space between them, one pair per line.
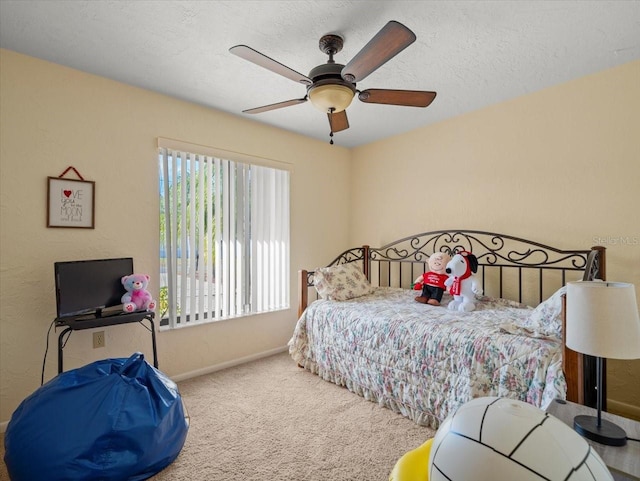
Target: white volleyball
501, 439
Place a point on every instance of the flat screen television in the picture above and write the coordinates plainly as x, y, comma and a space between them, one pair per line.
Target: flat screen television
91, 287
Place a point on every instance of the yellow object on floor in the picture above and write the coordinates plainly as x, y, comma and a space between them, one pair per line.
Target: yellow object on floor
413, 465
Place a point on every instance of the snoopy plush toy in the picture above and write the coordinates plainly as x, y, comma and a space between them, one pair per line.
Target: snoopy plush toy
462, 283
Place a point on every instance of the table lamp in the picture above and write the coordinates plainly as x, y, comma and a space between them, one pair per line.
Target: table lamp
602, 321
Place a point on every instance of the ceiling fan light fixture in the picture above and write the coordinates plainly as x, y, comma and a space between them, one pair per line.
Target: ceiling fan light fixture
331, 86
331, 97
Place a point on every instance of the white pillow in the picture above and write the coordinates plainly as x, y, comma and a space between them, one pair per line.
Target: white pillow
546, 319
341, 282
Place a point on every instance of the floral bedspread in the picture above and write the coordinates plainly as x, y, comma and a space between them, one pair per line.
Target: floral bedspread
424, 361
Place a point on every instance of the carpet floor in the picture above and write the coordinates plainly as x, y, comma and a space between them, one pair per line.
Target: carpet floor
271, 420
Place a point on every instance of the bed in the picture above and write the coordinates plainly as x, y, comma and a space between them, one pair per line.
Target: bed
424, 361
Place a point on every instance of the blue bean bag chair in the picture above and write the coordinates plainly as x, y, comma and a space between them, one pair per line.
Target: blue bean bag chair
115, 419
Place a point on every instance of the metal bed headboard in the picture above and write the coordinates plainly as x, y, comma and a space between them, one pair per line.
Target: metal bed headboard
512, 267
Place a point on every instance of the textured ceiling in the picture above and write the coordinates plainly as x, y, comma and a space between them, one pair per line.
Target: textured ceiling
472, 53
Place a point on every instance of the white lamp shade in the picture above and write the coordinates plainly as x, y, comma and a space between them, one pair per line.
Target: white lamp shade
602, 319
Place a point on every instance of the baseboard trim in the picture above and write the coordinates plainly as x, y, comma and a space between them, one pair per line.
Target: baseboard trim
623, 409
227, 364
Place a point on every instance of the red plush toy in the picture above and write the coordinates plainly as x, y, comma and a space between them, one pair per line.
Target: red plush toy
432, 282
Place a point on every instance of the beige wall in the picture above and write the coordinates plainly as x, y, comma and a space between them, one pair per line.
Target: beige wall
560, 166
53, 117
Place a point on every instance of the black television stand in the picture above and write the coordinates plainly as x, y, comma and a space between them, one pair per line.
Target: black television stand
93, 321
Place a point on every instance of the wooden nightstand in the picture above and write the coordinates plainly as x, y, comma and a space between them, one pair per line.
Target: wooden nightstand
622, 461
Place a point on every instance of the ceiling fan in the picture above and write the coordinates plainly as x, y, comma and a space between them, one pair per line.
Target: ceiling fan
332, 86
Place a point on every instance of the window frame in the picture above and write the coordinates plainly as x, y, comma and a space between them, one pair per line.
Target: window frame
250, 169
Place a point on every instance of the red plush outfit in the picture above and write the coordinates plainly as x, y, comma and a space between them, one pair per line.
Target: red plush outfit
432, 288
454, 290
434, 279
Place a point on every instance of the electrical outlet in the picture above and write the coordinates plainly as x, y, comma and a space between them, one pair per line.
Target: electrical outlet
98, 339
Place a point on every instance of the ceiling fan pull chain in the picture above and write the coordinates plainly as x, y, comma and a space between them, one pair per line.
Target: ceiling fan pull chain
331, 110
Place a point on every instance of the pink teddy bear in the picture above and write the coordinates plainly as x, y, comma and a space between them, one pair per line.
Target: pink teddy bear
137, 296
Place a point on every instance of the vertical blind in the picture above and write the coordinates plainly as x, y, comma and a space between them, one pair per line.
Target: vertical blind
224, 234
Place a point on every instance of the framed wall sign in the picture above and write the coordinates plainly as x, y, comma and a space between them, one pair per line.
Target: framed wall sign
70, 203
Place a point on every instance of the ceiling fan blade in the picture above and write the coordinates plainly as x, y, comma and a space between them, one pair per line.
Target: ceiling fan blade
262, 60
338, 121
392, 39
409, 98
279, 105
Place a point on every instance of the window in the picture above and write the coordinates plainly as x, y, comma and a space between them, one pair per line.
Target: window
224, 238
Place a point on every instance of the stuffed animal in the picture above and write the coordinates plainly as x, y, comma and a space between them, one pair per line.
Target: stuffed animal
462, 283
433, 281
137, 297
